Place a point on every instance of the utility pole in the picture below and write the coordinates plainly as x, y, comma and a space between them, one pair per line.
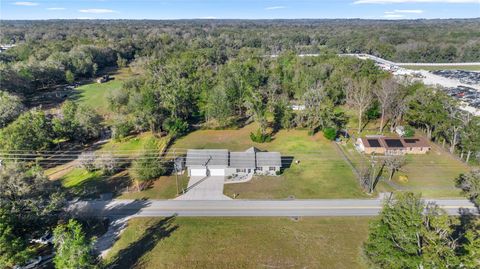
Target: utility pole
372, 176
175, 169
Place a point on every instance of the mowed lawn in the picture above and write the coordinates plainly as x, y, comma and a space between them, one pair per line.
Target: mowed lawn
95, 95
241, 243
432, 174
320, 173
80, 179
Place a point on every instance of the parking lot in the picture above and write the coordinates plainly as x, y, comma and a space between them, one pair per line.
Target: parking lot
466, 77
468, 96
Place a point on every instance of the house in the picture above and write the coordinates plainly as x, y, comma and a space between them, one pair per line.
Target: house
221, 162
268, 163
392, 145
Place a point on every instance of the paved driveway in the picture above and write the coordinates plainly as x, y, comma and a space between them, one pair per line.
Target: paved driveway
205, 188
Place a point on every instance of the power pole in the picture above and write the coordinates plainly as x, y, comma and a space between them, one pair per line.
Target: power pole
175, 169
372, 176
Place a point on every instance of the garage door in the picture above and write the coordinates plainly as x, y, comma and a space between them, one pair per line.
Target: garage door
198, 172
217, 172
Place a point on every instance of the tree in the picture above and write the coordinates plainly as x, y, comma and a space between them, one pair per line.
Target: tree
359, 94
470, 185
411, 234
427, 109
31, 197
72, 248
330, 133
10, 108
13, 248
257, 109
147, 166
69, 76
76, 122
470, 137
319, 111
387, 95
31, 131
394, 163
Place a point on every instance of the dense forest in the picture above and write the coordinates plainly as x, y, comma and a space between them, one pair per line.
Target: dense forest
220, 74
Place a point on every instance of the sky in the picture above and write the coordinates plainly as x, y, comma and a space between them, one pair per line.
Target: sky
237, 9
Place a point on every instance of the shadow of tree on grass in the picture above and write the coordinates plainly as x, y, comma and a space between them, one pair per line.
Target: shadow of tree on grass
129, 257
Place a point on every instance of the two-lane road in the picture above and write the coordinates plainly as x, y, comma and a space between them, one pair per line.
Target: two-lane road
257, 208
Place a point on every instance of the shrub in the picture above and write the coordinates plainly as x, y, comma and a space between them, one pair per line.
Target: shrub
260, 137
146, 168
121, 128
175, 127
106, 163
87, 160
409, 131
330, 133
373, 112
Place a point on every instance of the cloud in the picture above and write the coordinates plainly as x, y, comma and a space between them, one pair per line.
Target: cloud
56, 8
275, 7
393, 16
26, 4
97, 10
414, 1
411, 11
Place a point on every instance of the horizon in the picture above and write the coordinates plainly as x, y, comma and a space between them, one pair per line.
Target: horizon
238, 9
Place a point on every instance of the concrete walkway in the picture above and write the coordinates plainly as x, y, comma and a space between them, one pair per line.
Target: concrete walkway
205, 188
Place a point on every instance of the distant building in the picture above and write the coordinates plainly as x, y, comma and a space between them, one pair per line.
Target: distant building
392, 145
103, 79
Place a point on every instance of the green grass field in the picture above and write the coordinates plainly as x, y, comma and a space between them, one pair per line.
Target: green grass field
321, 173
80, 179
432, 174
95, 94
241, 243
445, 67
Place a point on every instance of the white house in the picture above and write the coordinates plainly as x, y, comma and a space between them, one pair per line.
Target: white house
221, 162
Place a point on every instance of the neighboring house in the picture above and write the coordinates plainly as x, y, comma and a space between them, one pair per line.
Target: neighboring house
221, 162
392, 145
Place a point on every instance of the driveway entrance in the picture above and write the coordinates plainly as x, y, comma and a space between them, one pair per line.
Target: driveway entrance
204, 188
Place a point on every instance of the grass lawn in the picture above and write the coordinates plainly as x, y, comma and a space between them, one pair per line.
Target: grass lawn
95, 94
82, 180
432, 174
322, 173
446, 67
241, 243
163, 188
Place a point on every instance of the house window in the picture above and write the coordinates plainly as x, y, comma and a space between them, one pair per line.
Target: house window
241, 170
272, 168
260, 168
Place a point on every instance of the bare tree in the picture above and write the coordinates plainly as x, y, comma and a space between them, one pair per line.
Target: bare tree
394, 163
359, 95
87, 160
387, 95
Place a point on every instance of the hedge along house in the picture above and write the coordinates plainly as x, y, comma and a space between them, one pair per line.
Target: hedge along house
221, 162
392, 145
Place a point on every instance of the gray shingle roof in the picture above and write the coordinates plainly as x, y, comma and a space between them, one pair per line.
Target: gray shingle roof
269, 159
242, 159
210, 157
